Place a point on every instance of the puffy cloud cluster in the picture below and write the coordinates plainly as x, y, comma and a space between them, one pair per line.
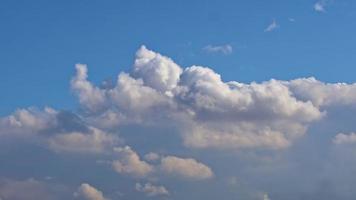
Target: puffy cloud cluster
27, 122
209, 111
151, 190
342, 138
89, 192
185, 167
323, 94
60, 131
130, 163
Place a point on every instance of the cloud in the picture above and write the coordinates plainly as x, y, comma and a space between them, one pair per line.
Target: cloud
185, 167
151, 190
152, 156
320, 6
27, 122
256, 115
224, 49
93, 141
342, 138
29, 189
129, 162
272, 26
265, 197
89, 192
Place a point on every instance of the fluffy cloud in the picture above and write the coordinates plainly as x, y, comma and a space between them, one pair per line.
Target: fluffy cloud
89, 192
27, 122
265, 115
151, 190
323, 94
130, 163
342, 138
185, 167
60, 131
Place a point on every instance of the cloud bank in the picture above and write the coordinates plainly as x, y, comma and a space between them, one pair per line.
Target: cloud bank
164, 124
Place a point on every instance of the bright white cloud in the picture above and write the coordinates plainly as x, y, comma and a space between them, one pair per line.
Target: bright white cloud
342, 138
89, 192
129, 162
185, 167
272, 26
210, 112
151, 190
323, 94
224, 49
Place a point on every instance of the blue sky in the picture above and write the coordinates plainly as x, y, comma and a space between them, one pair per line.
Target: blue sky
41, 41
122, 100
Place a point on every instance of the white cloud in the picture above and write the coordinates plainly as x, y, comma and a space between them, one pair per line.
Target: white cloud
224, 49
256, 115
185, 167
93, 141
320, 6
129, 162
323, 94
155, 70
342, 138
151, 190
27, 122
272, 26
89, 192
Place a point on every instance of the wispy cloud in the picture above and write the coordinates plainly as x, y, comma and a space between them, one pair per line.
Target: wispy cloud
224, 49
319, 6
291, 19
272, 26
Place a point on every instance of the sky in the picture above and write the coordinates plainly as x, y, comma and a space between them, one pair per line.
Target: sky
111, 100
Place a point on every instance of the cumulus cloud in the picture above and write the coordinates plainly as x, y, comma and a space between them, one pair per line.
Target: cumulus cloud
27, 122
224, 49
89, 192
209, 112
130, 163
342, 138
272, 26
185, 167
323, 94
151, 190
